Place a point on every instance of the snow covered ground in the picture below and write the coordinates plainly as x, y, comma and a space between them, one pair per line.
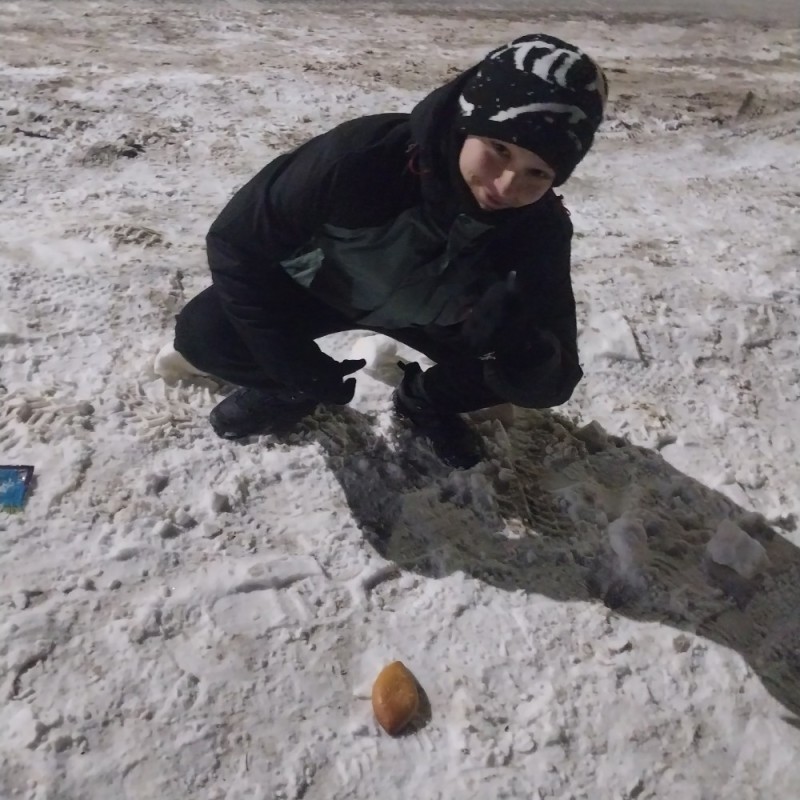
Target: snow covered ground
608, 608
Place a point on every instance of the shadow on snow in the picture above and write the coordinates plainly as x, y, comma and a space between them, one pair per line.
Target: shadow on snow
535, 517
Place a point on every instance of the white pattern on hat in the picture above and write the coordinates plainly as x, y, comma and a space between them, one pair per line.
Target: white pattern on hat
576, 114
542, 65
466, 107
576, 141
599, 84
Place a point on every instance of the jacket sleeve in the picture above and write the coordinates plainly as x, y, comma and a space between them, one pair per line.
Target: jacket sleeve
536, 355
267, 220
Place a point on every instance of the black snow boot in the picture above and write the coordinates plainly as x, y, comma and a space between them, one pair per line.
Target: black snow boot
452, 439
246, 411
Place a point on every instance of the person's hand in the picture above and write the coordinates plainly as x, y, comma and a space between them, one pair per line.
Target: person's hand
489, 314
530, 375
538, 348
326, 383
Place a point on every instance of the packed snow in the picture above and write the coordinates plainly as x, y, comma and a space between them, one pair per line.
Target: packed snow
607, 607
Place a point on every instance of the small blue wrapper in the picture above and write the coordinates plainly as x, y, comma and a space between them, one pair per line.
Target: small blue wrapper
14, 482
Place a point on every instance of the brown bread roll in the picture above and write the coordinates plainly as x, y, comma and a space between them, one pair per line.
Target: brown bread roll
395, 698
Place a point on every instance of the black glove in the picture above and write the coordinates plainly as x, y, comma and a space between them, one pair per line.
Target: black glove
530, 376
537, 348
325, 382
490, 314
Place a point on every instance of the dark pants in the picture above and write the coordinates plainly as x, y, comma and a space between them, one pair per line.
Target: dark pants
206, 338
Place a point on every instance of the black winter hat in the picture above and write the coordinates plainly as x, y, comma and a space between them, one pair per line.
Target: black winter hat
540, 93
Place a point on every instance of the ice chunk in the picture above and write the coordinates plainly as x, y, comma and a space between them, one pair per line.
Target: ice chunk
609, 336
731, 547
628, 540
503, 413
10, 328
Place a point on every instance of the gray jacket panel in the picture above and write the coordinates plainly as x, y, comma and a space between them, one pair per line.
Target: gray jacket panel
406, 272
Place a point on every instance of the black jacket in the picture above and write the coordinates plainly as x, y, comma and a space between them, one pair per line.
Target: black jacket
373, 218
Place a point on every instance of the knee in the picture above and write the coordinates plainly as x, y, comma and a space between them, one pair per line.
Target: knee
185, 324
192, 335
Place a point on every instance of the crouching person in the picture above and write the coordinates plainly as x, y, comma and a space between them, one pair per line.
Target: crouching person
439, 228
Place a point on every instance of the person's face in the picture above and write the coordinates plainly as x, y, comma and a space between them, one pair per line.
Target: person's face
502, 175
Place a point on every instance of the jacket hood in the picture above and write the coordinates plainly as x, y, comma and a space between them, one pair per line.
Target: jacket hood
438, 142
433, 123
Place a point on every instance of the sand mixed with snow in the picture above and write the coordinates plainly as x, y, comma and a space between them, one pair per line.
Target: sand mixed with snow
606, 608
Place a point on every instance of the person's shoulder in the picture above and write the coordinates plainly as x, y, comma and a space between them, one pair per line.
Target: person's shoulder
367, 177
539, 240
561, 216
370, 131
547, 218
367, 150
553, 208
